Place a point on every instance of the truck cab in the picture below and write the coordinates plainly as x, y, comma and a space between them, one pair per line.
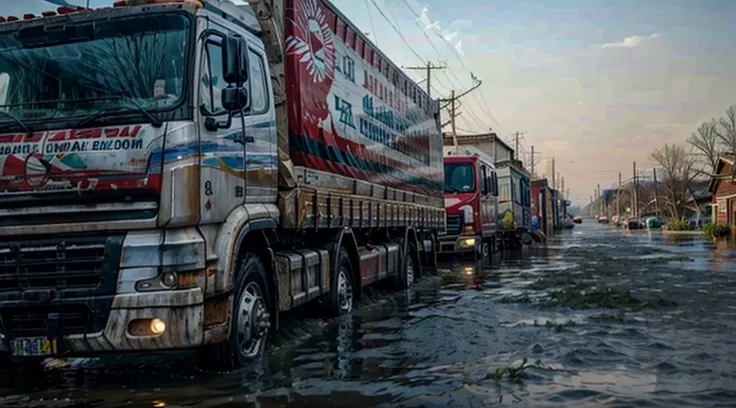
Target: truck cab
471, 206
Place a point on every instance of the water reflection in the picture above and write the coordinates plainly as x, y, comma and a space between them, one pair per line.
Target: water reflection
444, 345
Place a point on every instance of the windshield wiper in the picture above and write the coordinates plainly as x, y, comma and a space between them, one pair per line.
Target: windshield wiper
154, 120
18, 121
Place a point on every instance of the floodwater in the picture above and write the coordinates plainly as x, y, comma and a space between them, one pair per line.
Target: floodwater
598, 317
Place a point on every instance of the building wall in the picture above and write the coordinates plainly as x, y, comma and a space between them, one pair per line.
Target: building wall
725, 199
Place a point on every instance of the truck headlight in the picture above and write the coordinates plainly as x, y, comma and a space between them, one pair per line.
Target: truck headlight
467, 214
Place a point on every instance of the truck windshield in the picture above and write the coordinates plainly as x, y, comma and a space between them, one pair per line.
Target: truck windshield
459, 178
66, 70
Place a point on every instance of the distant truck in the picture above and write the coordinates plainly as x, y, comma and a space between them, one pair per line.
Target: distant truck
173, 174
514, 205
471, 203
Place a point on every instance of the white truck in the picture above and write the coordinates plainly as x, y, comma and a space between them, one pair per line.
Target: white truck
174, 173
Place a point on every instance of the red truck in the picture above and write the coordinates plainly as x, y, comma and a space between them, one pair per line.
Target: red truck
471, 203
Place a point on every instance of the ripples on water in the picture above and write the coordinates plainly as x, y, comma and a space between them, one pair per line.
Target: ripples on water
441, 345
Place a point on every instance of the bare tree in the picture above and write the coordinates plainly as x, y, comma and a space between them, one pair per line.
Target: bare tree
705, 141
727, 130
679, 170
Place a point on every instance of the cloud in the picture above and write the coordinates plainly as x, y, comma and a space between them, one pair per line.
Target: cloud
459, 49
451, 37
631, 42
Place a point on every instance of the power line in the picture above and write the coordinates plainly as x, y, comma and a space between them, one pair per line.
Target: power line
482, 103
370, 18
401, 35
397, 31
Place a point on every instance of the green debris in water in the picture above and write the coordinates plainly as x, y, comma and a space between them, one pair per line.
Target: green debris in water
613, 318
523, 298
607, 299
553, 281
515, 374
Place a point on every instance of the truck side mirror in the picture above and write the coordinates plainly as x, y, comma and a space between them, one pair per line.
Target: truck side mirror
234, 63
234, 99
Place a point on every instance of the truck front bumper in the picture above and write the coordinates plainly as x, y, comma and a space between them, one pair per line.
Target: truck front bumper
462, 244
86, 326
102, 293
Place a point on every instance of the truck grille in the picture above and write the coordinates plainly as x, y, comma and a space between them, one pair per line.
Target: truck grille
454, 227
58, 264
33, 321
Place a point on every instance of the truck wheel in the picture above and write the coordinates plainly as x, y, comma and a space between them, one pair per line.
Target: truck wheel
340, 299
251, 321
487, 251
408, 273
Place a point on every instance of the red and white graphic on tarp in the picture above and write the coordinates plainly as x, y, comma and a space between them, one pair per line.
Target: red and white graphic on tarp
313, 45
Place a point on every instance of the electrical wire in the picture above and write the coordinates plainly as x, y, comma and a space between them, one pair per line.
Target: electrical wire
380, 11
370, 18
484, 105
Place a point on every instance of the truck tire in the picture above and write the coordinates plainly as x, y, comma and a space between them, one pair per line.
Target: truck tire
487, 251
408, 273
341, 298
251, 323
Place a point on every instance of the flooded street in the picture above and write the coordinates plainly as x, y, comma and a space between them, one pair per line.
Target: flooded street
598, 317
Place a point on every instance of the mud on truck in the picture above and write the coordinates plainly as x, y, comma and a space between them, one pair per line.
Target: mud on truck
173, 174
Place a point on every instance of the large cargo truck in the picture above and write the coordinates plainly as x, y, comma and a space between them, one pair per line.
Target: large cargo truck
173, 174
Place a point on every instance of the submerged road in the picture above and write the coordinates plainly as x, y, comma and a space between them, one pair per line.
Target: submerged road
598, 317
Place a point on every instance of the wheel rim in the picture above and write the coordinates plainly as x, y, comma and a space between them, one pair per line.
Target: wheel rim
344, 292
485, 250
409, 272
254, 321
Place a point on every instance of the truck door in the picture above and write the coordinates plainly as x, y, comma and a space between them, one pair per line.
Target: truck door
222, 185
486, 201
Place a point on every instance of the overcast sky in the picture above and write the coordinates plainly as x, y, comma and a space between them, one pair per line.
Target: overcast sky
597, 84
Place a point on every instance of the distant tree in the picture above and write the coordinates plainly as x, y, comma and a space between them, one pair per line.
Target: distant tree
706, 141
727, 130
679, 170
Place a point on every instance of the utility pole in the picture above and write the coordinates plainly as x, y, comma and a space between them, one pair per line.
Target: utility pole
452, 120
554, 186
429, 69
600, 209
533, 164
562, 186
618, 198
656, 195
517, 152
635, 197
450, 104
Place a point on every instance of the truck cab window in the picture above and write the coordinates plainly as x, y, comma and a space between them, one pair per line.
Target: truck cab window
484, 180
258, 88
4, 81
212, 81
